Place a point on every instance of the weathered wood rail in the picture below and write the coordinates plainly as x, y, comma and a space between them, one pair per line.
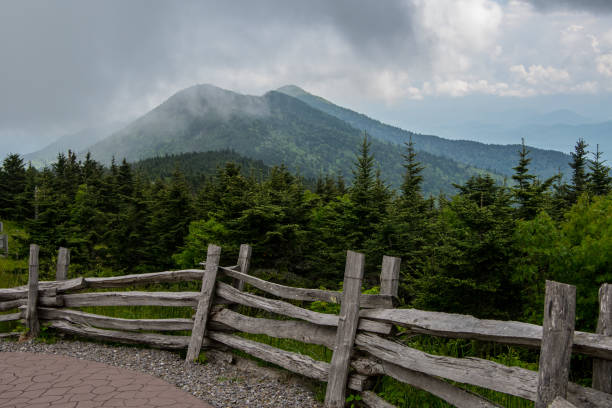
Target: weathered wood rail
360, 336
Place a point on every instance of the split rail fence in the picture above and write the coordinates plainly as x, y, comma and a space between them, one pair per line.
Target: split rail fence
360, 336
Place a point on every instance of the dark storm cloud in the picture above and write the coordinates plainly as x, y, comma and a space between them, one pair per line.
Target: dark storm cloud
64, 62
596, 6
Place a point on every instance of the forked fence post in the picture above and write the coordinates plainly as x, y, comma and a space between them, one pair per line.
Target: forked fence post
63, 261
244, 262
347, 328
204, 304
602, 369
557, 340
32, 323
389, 278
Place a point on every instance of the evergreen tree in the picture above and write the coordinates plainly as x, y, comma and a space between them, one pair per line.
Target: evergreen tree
413, 179
599, 180
467, 266
170, 216
530, 194
364, 213
12, 188
579, 176
404, 232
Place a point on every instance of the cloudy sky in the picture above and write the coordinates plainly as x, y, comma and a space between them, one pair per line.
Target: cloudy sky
66, 65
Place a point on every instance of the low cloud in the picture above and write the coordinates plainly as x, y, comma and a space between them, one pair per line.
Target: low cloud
77, 64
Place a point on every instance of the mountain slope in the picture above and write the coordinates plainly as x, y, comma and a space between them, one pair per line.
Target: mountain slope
74, 141
496, 158
275, 128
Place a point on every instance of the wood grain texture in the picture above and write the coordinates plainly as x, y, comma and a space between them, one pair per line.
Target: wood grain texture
372, 400
389, 278
347, 328
153, 340
42, 301
230, 293
11, 316
106, 322
557, 336
309, 295
132, 299
561, 403
465, 326
244, 263
483, 373
185, 275
286, 329
602, 369
31, 315
294, 362
453, 395
63, 262
204, 304
281, 307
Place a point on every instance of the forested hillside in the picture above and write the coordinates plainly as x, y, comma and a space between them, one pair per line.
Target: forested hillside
496, 158
197, 168
275, 128
486, 251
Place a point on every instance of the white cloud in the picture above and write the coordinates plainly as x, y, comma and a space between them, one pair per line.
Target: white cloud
604, 64
537, 74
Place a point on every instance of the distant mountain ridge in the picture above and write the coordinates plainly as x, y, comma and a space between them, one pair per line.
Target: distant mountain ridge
274, 128
76, 142
496, 158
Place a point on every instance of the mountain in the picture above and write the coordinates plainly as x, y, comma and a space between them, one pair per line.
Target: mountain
558, 117
75, 141
496, 158
274, 128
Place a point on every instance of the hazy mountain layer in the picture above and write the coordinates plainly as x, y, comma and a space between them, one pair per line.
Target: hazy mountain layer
496, 158
275, 128
75, 141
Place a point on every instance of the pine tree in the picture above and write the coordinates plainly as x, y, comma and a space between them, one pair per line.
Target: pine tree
467, 267
411, 186
365, 211
599, 180
579, 176
529, 193
12, 187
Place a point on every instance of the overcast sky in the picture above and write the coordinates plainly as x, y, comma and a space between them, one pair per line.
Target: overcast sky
67, 65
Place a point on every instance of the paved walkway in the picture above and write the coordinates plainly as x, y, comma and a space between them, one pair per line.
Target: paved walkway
36, 380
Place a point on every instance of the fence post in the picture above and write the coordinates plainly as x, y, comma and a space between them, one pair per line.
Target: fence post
602, 369
244, 262
31, 312
4, 245
389, 277
206, 297
557, 340
63, 261
347, 328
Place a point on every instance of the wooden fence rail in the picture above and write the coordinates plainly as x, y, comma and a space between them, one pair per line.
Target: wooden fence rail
360, 337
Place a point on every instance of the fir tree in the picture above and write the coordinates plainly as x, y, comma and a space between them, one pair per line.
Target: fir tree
12, 187
579, 176
599, 180
529, 193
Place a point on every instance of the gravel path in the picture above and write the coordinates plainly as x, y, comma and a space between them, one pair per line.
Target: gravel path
219, 383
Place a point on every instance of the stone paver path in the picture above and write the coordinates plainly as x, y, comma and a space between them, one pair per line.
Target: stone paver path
42, 380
